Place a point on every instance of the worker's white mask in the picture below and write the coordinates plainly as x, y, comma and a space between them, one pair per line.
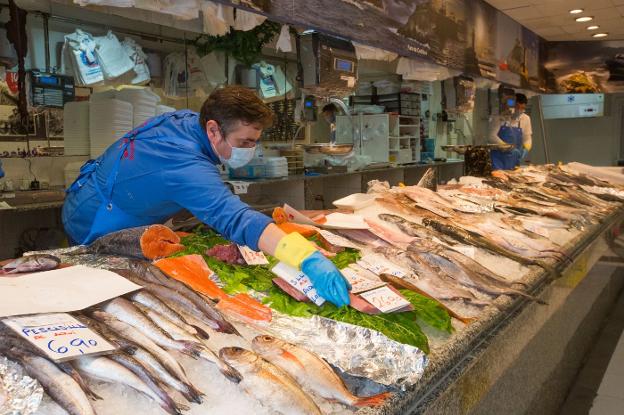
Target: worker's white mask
240, 156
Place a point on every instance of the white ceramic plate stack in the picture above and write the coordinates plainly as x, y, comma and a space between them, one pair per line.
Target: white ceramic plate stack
276, 166
143, 103
76, 128
109, 120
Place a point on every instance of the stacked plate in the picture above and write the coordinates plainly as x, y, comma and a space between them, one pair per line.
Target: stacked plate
143, 102
109, 120
276, 166
76, 128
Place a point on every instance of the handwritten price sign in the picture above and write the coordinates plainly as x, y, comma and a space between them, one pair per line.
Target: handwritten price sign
385, 299
252, 257
60, 336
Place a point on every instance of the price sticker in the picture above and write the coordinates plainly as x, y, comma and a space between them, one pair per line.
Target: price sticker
360, 284
252, 257
299, 281
239, 187
60, 336
385, 300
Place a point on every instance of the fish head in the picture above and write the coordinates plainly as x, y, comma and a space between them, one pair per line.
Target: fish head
237, 356
267, 345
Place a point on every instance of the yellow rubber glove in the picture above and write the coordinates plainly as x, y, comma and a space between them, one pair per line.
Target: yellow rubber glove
293, 248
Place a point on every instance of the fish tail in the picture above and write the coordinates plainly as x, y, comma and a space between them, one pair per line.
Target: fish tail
80, 250
192, 394
170, 406
192, 349
229, 372
201, 333
227, 327
375, 400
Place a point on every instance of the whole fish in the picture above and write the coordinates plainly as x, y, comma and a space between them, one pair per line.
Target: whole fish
31, 263
412, 228
58, 385
125, 311
178, 333
457, 266
164, 400
153, 365
132, 333
104, 369
149, 273
145, 298
475, 239
109, 334
310, 371
11, 340
428, 281
408, 284
269, 384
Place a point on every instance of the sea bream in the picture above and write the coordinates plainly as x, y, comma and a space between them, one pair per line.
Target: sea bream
310, 371
269, 384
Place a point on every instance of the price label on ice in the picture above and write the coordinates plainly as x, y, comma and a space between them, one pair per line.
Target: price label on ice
252, 257
299, 281
59, 335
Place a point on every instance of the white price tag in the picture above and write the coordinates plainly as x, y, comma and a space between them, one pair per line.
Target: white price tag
240, 188
336, 240
378, 265
252, 257
385, 300
360, 284
59, 335
299, 281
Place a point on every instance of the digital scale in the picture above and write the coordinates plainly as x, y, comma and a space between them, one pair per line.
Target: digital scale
50, 90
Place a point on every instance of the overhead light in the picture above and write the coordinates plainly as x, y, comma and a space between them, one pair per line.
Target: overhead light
576, 11
584, 19
594, 27
598, 35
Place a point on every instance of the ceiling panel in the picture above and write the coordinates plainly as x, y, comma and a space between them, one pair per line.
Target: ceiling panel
551, 18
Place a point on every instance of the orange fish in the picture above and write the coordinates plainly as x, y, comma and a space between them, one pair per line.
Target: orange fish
193, 271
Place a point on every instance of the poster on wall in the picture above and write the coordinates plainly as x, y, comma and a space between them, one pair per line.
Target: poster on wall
586, 67
469, 36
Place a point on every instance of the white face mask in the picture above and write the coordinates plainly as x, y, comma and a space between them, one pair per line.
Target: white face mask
239, 156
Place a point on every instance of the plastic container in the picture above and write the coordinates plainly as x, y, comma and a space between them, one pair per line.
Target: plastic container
355, 201
427, 156
429, 144
254, 170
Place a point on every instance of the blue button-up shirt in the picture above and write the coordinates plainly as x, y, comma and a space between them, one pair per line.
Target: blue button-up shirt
169, 167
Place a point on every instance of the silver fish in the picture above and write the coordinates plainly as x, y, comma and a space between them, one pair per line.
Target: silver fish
132, 333
61, 387
145, 298
104, 369
165, 401
124, 310
32, 263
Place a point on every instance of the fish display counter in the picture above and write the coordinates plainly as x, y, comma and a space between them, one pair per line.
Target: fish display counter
479, 296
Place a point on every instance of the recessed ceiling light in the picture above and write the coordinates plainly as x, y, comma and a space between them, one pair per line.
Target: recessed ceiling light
600, 35
576, 11
594, 27
584, 19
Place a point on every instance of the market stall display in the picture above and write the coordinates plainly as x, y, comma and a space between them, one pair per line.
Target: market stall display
206, 321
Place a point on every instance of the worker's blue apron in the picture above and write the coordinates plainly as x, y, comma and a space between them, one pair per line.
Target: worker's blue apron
508, 160
108, 216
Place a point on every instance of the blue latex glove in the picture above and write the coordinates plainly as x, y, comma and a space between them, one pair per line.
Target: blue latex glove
328, 281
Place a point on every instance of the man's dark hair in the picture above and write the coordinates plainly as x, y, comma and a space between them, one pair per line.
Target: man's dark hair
521, 99
231, 104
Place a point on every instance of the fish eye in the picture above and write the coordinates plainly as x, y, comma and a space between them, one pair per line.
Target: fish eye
267, 338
